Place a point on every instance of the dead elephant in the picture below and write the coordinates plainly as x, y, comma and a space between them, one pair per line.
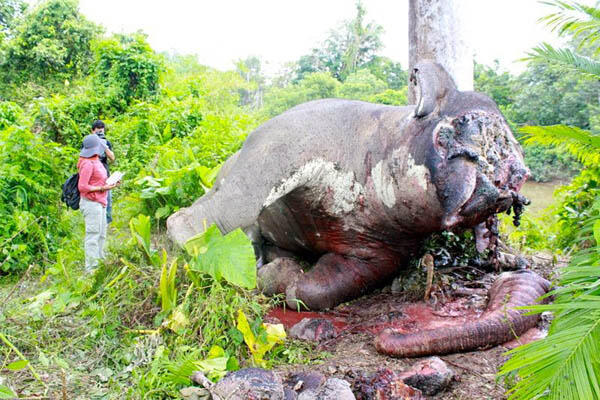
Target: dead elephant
354, 188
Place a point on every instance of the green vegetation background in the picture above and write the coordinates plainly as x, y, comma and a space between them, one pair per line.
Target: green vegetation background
172, 121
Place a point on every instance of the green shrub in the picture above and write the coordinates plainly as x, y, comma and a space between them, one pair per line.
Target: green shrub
10, 114
128, 64
391, 97
31, 173
580, 201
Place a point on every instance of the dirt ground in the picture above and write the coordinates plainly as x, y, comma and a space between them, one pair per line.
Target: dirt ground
357, 323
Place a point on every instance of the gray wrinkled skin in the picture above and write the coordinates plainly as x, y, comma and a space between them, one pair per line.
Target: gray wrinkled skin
302, 146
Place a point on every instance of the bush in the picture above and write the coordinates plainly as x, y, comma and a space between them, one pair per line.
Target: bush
127, 64
31, 173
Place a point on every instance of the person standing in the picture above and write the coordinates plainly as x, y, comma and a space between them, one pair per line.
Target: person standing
94, 195
98, 128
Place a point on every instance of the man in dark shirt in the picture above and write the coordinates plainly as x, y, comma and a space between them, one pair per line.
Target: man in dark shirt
98, 129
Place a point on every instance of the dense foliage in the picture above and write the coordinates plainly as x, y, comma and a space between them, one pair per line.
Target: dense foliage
32, 224
151, 314
48, 45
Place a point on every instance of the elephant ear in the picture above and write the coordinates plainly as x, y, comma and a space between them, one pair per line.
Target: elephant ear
433, 86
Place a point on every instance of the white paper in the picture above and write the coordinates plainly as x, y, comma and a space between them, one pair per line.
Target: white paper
114, 178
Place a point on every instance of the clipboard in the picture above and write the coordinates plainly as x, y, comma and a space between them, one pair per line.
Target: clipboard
114, 178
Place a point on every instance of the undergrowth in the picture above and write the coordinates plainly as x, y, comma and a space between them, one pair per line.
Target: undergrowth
110, 336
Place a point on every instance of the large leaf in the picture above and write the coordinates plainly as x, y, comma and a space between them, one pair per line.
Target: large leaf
567, 58
140, 229
574, 19
565, 363
228, 257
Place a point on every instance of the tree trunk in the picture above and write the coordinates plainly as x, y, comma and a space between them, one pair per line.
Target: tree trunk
436, 31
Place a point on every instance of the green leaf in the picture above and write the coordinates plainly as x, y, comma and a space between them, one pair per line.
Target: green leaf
597, 232
566, 58
198, 244
565, 364
140, 230
167, 290
208, 175
581, 143
233, 364
216, 351
7, 393
167, 134
17, 365
229, 257
162, 212
259, 346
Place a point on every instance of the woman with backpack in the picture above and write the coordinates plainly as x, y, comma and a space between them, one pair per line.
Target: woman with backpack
94, 192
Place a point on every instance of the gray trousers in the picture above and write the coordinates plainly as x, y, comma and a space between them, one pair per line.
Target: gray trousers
94, 215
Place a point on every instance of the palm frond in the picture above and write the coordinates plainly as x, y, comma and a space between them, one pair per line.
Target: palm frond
565, 57
566, 364
574, 18
582, 144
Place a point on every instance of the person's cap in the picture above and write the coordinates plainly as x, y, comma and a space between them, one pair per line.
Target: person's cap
92, 145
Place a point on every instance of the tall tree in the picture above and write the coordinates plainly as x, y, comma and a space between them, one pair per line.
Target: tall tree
436, 32
363, 40
50, 42
347, 49
250, 70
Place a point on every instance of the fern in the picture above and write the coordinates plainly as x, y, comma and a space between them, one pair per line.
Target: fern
582, 144
566, 364
566, 58
576, 19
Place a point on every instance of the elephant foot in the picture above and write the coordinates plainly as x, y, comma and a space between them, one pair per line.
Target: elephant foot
334, 279
274, 277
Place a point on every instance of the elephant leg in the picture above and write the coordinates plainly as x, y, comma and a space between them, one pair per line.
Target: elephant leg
336, 278
274, 277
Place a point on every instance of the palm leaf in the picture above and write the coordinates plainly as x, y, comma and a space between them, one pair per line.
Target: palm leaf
565, 57
566, 364
576, 19
582, 144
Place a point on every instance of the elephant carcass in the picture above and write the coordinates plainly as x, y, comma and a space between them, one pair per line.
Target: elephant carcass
354, 188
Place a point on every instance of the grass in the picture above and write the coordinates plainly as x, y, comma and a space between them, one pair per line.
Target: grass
106, 337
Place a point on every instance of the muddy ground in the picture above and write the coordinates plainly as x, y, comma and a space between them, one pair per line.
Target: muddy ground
458, 296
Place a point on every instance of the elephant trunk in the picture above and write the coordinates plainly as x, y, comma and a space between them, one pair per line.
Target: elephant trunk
499, 323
